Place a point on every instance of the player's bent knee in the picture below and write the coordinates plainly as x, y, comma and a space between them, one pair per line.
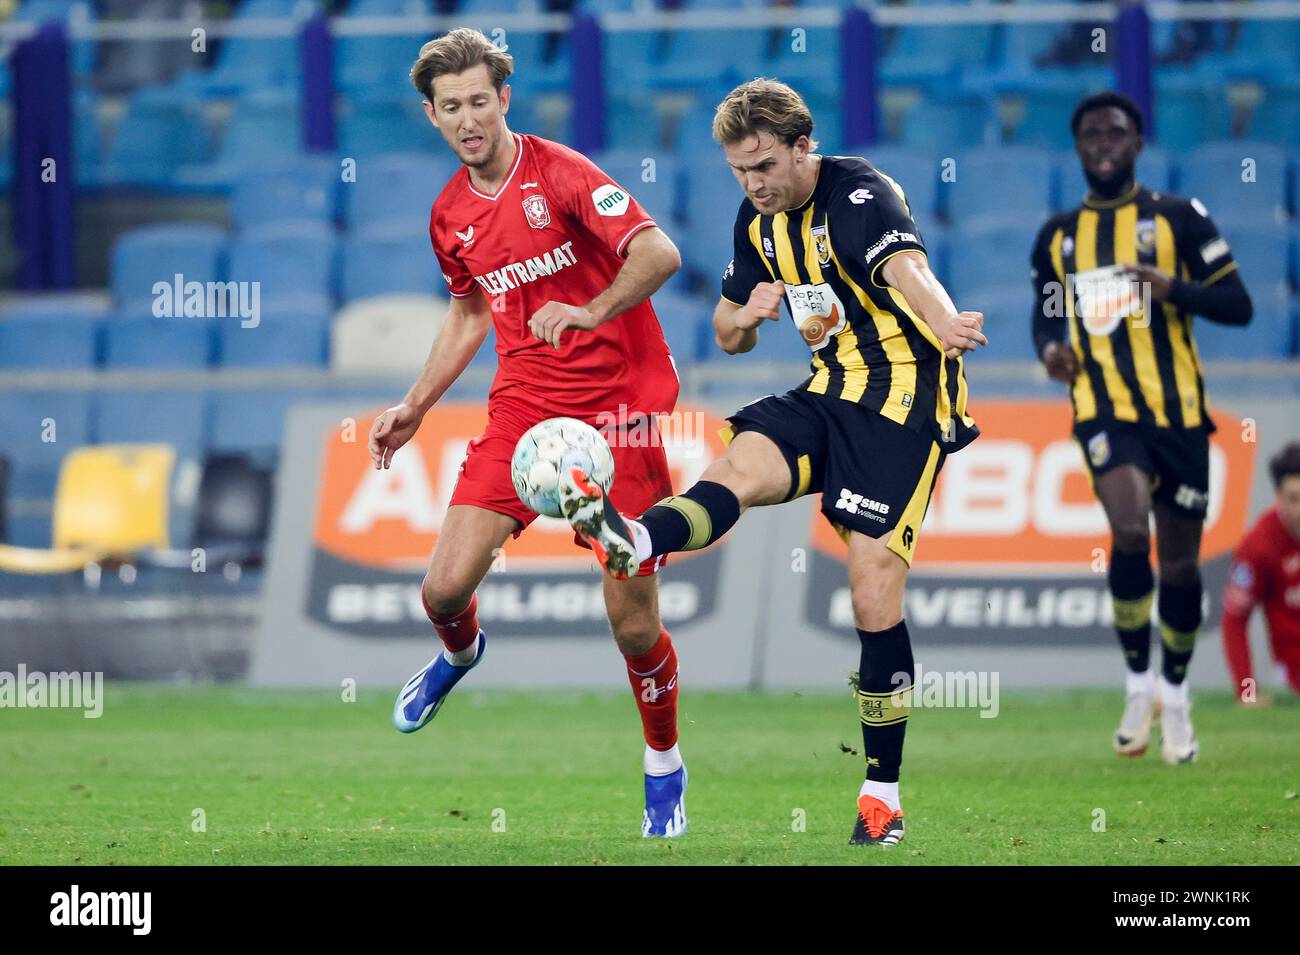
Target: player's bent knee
1131, 537
445, 596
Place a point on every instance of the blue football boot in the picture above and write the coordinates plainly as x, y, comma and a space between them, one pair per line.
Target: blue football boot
424, 693
665, 805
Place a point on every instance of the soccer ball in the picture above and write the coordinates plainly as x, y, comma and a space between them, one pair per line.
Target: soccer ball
542, 451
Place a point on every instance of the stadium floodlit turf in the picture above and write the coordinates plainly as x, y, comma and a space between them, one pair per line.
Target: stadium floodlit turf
554, 778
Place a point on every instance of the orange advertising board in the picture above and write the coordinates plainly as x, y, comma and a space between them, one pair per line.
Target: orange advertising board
1018, 499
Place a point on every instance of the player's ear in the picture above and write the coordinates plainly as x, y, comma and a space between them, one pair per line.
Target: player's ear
429, 111
504, 96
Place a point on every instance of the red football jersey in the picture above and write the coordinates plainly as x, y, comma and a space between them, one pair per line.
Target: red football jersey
1266, 571
556, 230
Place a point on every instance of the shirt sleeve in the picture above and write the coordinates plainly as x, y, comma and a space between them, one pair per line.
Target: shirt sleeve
746, 268
1046, 325
1200, 247
460, 282
603, 207
870, 224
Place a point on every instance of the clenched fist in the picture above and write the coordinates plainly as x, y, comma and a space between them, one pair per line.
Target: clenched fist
764, 305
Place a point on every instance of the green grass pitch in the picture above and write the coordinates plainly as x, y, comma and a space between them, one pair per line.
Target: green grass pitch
554, 778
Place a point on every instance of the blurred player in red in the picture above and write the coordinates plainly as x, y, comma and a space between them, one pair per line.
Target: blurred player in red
534, 240
1266, 571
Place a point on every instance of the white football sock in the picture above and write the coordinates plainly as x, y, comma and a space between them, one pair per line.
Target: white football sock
463, 658
1143, 683
885, 792
640, 539
662, 763
1171, 695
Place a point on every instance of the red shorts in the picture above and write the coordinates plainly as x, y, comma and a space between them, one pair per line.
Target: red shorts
641, 477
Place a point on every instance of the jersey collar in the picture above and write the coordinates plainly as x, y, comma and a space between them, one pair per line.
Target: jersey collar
1093, 203
519, 155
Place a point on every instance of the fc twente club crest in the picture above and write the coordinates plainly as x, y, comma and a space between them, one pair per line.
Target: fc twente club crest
539, 216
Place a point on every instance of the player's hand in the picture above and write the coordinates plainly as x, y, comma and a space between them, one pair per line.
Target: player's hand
1158, 282
962, 332
764, 305
550, 321
1061, 362
391, 430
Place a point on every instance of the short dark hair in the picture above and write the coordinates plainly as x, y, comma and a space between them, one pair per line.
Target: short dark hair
1101, 101
1285, 464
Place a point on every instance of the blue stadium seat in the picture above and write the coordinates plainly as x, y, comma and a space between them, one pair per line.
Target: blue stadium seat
397, 190
661, 195
38, 429
915, 170
374, 124
944, 126
991, 252
249, 64
1277, 118
292, 261
632, 119
1213, 174
1008, 310
1267, 336
713, 199
159, 132
42, 342
815, 68
1046, 120
159, 343
999, 181
1261, 251
383, 262
280, 340
686, 321
58, 306
303, 190
171, 416
1154, 170
252, 421
1189, 113
1265, 49
264, 132
932, 55
378, 62
630, 59
158, 253
701, 56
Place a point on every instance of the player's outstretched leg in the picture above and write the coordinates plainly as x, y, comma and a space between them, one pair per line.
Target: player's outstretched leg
651, 661
689, 521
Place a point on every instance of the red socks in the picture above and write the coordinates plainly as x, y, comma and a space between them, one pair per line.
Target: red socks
653, 676
458, 630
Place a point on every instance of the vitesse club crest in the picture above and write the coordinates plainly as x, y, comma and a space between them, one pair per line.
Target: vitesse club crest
1099, 449
1146, 235
822, 244
539, 216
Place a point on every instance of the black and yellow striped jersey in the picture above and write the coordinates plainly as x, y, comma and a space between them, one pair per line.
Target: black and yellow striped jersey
1138, 359
868, 345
